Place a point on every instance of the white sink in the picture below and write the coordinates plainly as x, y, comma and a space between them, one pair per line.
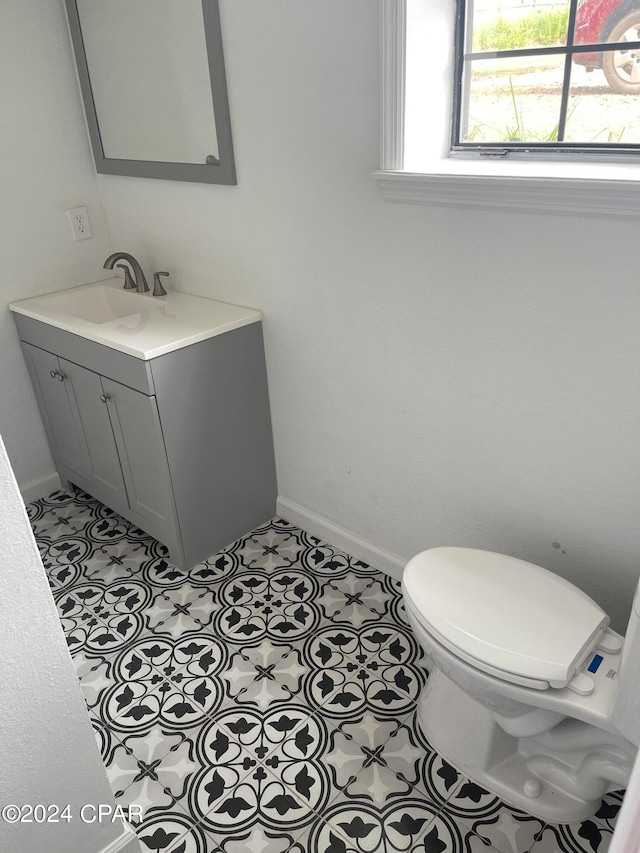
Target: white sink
100, 304
138, 324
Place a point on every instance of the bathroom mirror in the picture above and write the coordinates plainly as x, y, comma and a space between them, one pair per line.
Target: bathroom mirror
154, 88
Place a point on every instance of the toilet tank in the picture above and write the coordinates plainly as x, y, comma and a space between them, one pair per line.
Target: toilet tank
626, 709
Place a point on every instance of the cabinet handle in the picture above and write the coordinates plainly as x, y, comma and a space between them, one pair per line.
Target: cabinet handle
55, 374
105, 397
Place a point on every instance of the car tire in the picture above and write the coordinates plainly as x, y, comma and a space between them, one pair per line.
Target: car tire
622, 67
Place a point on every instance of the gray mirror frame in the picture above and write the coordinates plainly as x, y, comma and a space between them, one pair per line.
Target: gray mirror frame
220, 171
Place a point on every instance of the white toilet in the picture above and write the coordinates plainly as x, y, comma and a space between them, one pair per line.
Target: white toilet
530, 693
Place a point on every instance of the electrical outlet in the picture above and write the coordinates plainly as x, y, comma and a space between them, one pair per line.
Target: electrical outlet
80, 225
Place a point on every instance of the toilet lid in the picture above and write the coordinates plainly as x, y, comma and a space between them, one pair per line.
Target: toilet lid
504, 614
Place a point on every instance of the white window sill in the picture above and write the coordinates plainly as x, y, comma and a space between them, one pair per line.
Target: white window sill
610, 190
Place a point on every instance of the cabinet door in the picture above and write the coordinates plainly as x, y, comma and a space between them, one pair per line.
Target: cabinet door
85, 389
138, 435
59, 413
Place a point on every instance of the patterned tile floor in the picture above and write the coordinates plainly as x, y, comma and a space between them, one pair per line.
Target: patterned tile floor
264, 701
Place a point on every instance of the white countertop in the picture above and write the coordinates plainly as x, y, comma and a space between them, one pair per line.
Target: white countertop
146, 326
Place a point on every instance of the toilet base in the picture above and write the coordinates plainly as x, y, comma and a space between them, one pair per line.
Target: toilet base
559, 775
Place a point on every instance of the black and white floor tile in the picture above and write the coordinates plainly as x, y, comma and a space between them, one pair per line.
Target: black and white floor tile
265, 700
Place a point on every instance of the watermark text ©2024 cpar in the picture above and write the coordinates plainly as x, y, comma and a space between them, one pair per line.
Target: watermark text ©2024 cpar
88, 813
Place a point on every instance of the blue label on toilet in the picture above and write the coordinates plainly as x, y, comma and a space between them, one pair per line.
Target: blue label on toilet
595, 663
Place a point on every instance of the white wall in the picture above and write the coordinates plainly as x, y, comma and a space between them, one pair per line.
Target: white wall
45, 166
437, 376
48, 753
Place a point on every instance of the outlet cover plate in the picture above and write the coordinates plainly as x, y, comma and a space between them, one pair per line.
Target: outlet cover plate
80, 225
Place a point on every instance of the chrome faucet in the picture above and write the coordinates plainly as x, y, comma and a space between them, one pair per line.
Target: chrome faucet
141, 282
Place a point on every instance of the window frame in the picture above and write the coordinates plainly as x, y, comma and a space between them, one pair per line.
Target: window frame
581, 187
562, 148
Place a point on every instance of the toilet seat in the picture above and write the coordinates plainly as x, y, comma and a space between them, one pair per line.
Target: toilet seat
507, 617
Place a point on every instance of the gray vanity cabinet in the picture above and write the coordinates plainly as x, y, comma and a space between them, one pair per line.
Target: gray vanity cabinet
140, 448
84, 388
109, 438
59, 409
180, 445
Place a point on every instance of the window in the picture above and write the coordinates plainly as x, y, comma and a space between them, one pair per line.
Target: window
417, 162
558, 76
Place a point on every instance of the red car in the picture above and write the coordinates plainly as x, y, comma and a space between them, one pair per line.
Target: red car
605, 21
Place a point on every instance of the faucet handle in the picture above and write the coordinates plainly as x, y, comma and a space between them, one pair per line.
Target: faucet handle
129, 283
158, 289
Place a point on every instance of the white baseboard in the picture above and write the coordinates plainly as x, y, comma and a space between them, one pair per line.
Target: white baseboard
346, 540
40, 487
126, 843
